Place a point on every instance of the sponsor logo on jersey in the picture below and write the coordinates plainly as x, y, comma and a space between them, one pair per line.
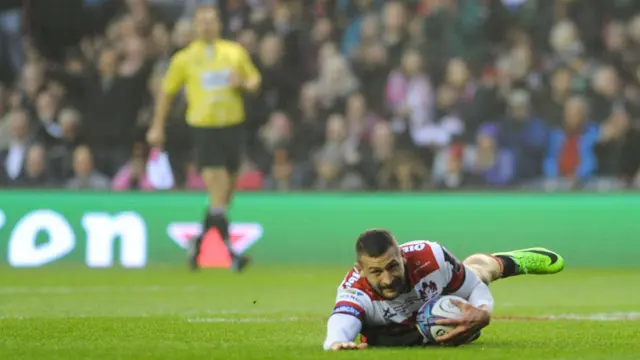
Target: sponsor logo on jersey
404, 307
348, 297
407, 248
353, 279
346, 309
389, 313
421, 266
428, 290
355, 292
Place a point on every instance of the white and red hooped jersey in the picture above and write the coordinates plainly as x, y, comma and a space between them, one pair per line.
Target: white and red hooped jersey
432, 271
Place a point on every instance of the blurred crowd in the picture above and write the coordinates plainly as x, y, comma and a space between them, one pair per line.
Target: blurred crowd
357, 94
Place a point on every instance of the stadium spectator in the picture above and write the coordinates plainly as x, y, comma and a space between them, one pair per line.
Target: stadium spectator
571, 160
551, 104
332, 161
525, 136
394, 31
376, 154
335, 82
85, 176
60, 149
111, 98
36, 173
411, 100
13, 158
133, 175
273, 156
10, 44
405, 172
32, 81
447, 171
485, 163
5, 122
279, 85
372, 68
359, 119
617, 151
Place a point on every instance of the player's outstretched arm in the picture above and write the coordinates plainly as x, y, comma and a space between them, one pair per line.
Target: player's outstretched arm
342, 330
345, 322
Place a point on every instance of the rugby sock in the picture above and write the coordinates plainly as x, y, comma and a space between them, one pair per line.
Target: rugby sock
216, 218
509, 266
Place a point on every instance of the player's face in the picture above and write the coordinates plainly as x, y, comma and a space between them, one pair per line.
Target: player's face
207, 23
385, 274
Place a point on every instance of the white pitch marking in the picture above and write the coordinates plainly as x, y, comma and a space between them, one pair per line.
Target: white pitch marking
245, 320
10, 290
596, 317
616, 316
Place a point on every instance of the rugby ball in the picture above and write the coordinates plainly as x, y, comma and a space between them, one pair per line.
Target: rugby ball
435, 309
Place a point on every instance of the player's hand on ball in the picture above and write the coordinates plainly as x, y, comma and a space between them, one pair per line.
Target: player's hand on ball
347, 345
471, 320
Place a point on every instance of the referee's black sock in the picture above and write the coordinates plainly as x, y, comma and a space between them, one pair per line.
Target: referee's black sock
216, 218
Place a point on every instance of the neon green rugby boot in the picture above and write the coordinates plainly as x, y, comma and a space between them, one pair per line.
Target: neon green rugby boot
538, 261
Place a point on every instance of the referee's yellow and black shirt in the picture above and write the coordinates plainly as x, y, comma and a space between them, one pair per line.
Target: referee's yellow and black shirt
204, 69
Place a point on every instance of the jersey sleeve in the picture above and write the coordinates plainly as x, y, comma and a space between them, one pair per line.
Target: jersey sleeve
175, 76
454, 270
341, 328
347, 316
247, 69
350, 301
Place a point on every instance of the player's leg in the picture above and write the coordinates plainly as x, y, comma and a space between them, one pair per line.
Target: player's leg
496, 266
486, 267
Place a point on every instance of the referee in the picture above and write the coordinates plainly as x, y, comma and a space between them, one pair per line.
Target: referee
214, 73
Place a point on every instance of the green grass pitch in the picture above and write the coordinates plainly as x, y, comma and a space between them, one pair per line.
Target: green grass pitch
278, 313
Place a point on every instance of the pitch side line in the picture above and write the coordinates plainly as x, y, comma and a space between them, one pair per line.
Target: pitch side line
271, 317
621, 316
617, 316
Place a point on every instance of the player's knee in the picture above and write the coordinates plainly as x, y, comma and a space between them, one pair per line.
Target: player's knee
481, 273
484, 266
477, 259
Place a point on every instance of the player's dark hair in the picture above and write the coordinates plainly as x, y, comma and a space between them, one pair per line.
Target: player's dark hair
374, 243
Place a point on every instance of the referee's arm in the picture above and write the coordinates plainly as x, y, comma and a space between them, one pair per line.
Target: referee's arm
248, 72
173, 81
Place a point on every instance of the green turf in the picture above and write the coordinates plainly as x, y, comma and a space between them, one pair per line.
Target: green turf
168, 313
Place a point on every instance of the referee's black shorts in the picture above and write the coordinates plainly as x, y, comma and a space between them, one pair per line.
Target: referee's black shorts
221, 147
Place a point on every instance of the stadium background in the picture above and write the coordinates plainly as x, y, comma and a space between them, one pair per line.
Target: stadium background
420, 97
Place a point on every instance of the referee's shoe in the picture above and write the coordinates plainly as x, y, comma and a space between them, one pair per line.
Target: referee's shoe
238, 262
